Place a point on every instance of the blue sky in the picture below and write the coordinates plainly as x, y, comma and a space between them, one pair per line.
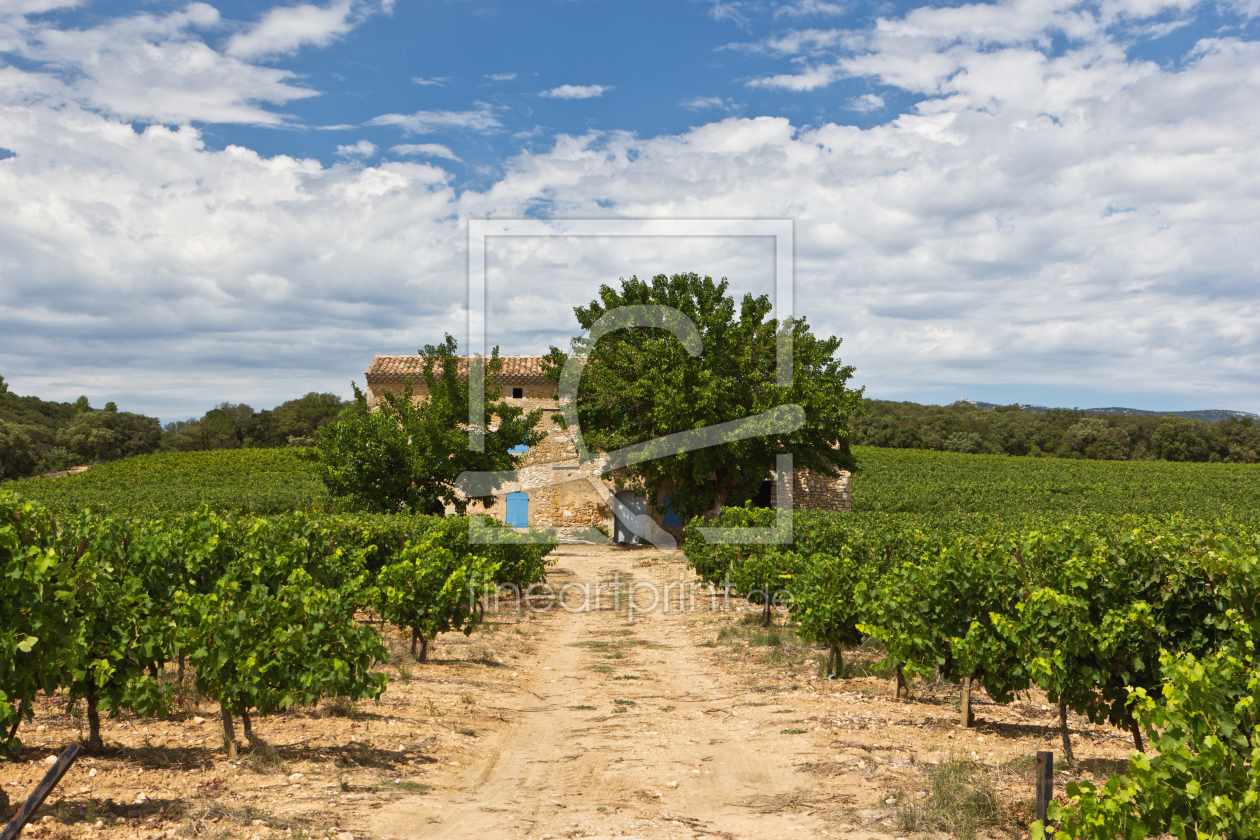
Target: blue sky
1037, 200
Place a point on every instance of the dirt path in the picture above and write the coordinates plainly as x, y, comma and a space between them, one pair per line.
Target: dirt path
622, 728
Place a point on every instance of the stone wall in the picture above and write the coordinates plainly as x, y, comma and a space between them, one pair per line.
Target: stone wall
813, 491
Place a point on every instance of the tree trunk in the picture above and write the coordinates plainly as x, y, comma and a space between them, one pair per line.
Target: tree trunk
965, 703
835, 661
179, 675
766, 620
424, 647
1063, 724
415, 634
229, 732
246, 723
13, 729
903, 689
94, 744
1137, 733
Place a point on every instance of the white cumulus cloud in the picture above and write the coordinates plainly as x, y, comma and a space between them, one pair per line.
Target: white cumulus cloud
362, 149
150, 68
427, 122
576, 91
430, 149
286, 29
807, 8
866, 103
1042, 218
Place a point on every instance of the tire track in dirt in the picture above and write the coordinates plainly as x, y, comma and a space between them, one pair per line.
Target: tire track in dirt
662, 754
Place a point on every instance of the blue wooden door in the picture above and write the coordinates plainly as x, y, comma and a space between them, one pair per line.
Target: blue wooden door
670, 519
517, 510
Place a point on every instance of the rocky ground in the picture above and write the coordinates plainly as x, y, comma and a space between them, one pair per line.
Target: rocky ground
686, 722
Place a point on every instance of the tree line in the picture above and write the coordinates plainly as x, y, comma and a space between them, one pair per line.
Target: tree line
39, 436
1057, 433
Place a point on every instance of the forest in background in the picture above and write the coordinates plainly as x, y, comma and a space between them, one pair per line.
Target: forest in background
39, 436
1057, 433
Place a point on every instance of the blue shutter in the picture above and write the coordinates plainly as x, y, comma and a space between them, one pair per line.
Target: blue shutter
670, 519
519, 449
517, 510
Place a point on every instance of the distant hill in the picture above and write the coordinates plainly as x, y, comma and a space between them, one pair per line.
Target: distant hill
1211, 415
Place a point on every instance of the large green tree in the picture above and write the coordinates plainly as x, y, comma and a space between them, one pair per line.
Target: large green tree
407, 453
643, 383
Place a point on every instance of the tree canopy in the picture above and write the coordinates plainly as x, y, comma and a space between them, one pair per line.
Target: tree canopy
642, 383
408, 452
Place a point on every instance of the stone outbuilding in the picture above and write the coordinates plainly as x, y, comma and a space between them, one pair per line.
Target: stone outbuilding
555, 490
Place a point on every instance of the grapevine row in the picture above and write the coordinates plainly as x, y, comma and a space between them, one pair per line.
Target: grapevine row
267, 612
1147, 624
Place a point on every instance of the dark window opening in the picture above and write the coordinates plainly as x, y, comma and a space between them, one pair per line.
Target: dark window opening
517, 393
764, 495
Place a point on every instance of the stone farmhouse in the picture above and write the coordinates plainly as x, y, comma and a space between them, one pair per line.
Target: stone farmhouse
555, 490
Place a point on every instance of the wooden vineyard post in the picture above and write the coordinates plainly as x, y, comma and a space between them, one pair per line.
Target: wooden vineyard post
45, 787
1045, 783
965, 702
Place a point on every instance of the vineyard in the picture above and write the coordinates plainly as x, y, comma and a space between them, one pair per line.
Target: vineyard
260, 482
266, 482
266, 614
1124, 594
1146, 624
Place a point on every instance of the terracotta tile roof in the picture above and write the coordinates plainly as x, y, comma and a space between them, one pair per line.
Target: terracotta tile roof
391, 369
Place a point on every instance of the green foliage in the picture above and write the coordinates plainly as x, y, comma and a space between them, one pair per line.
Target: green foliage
1101, 606
434, 581
1085, 607
939, 610
96, 436
262, 482
119, 631
1062, 433
431, 590
38, 436
236, 425
265, 609
641, 384
1204, 720
33, 619
765, 576
1202, 784
18, 454
277, 627
407, 453
824, 599
946, 485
